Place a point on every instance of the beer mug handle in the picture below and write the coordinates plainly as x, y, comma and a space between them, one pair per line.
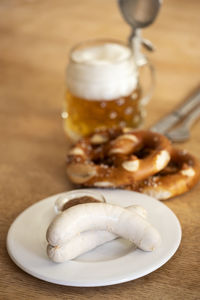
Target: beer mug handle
146, 78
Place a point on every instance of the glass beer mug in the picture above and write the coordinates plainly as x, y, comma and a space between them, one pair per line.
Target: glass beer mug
104, 88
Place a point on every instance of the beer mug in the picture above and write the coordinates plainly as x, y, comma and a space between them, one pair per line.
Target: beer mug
104, 88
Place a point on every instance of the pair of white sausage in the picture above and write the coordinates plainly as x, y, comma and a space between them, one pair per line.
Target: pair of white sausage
86, 241
85, 226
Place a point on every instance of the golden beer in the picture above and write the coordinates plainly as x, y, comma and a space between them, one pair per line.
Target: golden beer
84, 116
103, 89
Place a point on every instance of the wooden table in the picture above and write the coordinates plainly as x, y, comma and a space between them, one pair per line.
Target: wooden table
35, 40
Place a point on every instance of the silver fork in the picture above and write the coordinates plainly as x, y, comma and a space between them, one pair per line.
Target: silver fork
182, 132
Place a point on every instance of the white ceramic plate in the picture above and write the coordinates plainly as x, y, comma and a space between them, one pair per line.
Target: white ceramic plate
111, 263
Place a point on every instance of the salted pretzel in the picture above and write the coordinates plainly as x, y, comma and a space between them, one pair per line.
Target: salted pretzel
180, 175
117, 157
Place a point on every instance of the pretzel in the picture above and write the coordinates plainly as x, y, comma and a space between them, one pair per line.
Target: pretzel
117, 157
181, 174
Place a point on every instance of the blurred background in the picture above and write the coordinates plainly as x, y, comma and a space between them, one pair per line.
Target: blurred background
35, 39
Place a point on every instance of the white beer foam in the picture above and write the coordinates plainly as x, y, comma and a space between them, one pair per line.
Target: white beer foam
102, 72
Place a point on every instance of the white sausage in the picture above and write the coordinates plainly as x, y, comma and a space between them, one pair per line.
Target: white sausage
138, 209
79, 244
86, 241
103, 216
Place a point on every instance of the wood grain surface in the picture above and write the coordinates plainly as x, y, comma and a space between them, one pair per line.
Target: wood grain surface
35, 38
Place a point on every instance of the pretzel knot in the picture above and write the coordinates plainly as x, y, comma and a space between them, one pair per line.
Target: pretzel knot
117, 157
180, 175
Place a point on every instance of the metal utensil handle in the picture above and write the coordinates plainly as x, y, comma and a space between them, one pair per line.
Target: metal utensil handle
177, 115
191, 118
182, 132
190, 104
